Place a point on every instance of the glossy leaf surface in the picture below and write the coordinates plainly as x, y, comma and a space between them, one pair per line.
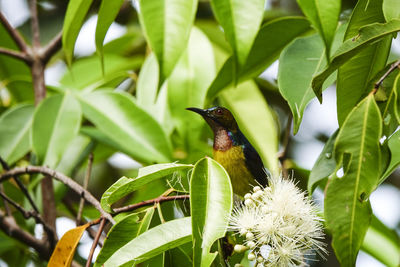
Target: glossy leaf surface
211, 204
153, 242
15, 125
167, 25
55, 124
125, 123
347, 208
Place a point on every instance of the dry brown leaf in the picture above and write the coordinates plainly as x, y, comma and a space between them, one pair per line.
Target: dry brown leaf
64, 252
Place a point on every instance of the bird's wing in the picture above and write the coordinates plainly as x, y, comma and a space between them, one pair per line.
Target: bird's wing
254, 163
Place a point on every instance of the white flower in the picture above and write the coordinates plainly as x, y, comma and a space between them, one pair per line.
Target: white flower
283, 222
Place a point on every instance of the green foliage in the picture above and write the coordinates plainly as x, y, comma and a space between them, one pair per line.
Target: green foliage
125, 185
357, 152
15, 126
324, 16
74, 18
167, 27
153, 242
211, 205
131, 95
240, 21
303, 58
55, 123
116, 116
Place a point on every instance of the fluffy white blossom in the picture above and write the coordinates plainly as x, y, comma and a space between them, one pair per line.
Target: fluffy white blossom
279, 224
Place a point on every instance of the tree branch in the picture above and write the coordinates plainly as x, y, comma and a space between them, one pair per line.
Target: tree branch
285, 144
14, 34
51, 48
5, 203
62, 178
85, 185
11, 228
16, 54
34, 24
32, 214
95, 241
21, 186
387, 73
149, 202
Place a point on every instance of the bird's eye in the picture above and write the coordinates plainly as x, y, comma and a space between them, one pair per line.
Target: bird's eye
218, 111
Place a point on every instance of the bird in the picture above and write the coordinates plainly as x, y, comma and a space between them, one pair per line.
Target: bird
233, 151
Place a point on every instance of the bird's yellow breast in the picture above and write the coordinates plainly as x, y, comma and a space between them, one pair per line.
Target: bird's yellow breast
233, 161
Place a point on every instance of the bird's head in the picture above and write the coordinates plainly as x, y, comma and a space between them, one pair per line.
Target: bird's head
217, 118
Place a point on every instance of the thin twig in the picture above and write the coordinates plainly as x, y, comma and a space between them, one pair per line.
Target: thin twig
51, 48
149, 202
5, 203
16, 54
85, 185
387, 73
62, 178
95, 241
32, 214
69, 205
14, 34
34, 24
21, 186
11, 228
285, 145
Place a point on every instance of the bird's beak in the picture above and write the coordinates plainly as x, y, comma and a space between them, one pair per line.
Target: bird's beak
200, 111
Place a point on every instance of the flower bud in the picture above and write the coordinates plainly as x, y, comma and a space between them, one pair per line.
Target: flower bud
251, 244
251, 256
239, 248
249, 236
256, 188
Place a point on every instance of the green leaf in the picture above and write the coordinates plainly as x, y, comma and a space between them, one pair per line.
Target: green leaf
324, 16
167, 25
210, 204
77, 151
270, 40
347, 208
15, 125
126, 185
394, 146
108, 12
187, 87
391, 9
153, 242
255, 119
121, 233
299, 62
351, 47
358, 71
55, 124
147, 84
324, 166
74, 17
86, 73
118, 117
388, 250
241, 21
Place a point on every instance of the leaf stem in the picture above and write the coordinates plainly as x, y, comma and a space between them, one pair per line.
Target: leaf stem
150, 202
95, 241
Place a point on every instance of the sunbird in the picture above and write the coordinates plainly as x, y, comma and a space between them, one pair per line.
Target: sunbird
233, 151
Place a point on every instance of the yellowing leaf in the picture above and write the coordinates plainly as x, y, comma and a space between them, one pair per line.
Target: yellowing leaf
64, 252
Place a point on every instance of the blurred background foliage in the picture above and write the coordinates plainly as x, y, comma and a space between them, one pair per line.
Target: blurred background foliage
125, 102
